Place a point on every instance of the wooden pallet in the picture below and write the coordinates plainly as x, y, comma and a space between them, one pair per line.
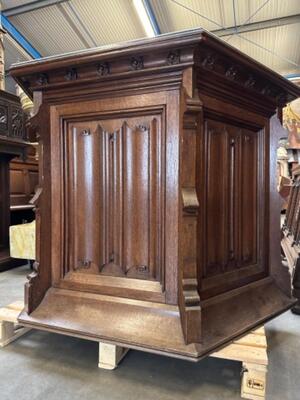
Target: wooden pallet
10, 330
251, 350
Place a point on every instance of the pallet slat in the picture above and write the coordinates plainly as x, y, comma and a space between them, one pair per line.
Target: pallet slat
9, 328
9, 315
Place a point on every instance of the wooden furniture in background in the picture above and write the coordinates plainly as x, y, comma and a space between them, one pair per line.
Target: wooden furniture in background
12, 144
23, 182
290, 242
157, 209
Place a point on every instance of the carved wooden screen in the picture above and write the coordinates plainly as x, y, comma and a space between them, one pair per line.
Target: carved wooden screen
292, 219
115, 197
234, 207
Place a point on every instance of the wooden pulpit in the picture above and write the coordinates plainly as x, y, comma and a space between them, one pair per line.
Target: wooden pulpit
158, 216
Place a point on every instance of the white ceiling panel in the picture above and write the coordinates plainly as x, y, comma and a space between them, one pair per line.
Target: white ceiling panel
276, 40
173, 15
48, 31
109, 21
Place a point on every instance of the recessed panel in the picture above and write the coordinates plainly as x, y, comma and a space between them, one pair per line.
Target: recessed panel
234, 209
115, 197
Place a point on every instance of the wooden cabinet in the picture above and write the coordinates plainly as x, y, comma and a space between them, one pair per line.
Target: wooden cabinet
157, 209
290, 242
12, 144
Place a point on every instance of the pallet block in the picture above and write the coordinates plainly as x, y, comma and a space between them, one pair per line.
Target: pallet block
110, 355
10, 330
251, 350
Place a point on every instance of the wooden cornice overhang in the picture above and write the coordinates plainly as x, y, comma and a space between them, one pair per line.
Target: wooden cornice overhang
159, 62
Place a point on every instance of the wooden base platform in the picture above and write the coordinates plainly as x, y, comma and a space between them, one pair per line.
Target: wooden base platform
146, 326
251, 350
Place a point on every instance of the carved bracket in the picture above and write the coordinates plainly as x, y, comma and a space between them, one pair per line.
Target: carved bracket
190, 201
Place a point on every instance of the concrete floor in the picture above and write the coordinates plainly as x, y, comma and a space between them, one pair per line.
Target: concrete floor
47, 366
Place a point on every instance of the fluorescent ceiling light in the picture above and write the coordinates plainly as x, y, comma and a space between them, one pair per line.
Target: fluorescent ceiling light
144, 17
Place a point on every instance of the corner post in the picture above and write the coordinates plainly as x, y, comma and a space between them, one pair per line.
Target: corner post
189, 299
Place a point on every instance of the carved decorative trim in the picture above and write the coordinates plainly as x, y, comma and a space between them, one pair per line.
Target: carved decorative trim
231, 73
84, 264
267, 90
85, 132
137, 63
143, 128
173, 57
250, 82
3, 116
239, 74
71, 74
103, 69
42, 79
17, 123
209, 61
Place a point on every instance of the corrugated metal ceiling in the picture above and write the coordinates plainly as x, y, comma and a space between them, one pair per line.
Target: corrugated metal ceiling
76, 24
79, 24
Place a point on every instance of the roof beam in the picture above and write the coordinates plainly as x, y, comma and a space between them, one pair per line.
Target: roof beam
19, 38
33, 5
256, 26
152, 17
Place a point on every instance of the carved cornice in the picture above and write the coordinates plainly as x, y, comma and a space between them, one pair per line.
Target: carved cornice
121, 69
219, 64
153, 57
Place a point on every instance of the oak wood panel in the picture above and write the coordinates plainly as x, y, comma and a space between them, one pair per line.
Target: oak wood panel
234, 203
148, 105
117, 221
